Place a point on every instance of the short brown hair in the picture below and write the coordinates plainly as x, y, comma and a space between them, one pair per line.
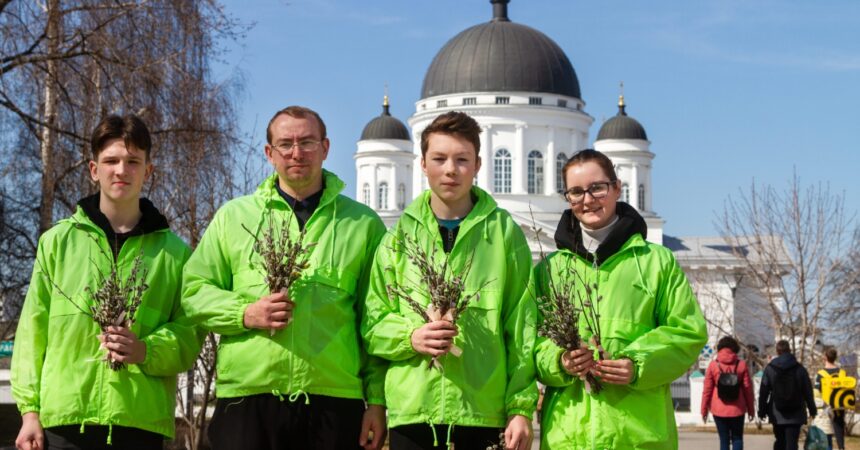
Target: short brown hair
830, 354
130, 128
454, 123
584, 156
782, 347
297, 112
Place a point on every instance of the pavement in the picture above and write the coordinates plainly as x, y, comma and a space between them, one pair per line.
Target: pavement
697, 440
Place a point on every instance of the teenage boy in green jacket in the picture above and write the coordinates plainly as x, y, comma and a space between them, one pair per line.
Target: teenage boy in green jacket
291, 370
490, 388
68, 395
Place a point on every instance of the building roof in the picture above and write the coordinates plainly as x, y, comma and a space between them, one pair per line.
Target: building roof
622, 126
385, 126
500, 56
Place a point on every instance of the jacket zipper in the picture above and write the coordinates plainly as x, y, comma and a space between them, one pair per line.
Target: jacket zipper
450, 239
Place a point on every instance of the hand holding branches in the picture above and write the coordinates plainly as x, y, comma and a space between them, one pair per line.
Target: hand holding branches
578, 362
271, 312
122, 345
434, 338
616, 371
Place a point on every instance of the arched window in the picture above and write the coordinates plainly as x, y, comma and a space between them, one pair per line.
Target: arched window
401, 196
502, 172
625, 193
560, 159
535, 172
641, 197
365, 194
382, 200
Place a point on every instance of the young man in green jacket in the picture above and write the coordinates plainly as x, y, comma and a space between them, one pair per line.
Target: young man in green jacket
292, 373
490, 388
68, 395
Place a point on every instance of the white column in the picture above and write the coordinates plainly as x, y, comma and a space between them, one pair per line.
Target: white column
634, 189
417, 174
392, 186
486, 172
518, 163
373, 192
549, 163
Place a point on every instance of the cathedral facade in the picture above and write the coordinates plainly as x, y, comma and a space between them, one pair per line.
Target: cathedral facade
522, 89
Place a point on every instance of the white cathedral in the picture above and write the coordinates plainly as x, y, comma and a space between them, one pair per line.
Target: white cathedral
523, 91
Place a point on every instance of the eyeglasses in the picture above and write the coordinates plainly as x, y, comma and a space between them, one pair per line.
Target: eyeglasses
305, 146
597, 190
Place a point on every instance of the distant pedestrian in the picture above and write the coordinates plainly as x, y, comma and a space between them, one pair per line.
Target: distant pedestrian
728, 394
785, 396
832, 421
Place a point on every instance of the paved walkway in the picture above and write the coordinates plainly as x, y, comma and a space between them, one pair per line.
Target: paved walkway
690, 440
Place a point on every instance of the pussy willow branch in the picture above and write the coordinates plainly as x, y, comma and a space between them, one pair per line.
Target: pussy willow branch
562, 306
284, 259
445, 288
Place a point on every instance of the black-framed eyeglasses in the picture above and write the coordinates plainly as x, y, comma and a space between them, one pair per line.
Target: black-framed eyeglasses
597, 190
304, 145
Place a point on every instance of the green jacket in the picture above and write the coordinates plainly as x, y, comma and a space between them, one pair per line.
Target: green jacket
57, 367
494, 378
648, 314
320, 351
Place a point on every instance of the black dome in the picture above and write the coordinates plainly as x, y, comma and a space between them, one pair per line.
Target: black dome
500, 56
622, 126
385, 127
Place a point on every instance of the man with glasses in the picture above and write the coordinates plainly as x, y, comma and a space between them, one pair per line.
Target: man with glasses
292, 373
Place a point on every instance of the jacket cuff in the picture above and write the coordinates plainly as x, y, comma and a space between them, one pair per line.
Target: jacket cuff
240, 317
147, 353
528, 414
550, 369
24, 409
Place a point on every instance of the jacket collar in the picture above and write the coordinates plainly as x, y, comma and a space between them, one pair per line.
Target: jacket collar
89, 214
420, 211
268, 193
568, 235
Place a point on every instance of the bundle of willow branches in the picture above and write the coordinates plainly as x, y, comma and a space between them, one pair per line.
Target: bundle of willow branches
115, 300
445, 287
284, 259
501, 445
561, 307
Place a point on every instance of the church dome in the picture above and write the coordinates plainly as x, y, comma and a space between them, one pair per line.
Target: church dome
385, 127
622, 126
500, 56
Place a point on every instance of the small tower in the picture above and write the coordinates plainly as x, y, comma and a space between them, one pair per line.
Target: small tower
623, 139
383, 163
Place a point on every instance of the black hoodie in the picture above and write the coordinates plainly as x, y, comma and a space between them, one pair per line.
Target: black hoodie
782, 363
568, 235
151, 220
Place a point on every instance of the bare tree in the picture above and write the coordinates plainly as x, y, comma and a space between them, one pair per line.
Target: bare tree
790, 244
846, 315
65, 64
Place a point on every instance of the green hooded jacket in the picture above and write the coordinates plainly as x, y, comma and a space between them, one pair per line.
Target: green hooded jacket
648, 313
494, 377
57, 366
320, 351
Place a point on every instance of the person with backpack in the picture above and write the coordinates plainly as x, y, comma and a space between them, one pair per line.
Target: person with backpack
785, 396
728, 394
833, 419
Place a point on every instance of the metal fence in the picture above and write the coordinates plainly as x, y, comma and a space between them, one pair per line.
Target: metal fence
681, 393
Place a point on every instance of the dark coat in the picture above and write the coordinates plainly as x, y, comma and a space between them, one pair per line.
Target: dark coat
784, 362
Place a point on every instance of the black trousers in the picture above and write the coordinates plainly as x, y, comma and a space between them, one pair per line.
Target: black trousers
420, 437
266, 422
786, 436
69, 437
